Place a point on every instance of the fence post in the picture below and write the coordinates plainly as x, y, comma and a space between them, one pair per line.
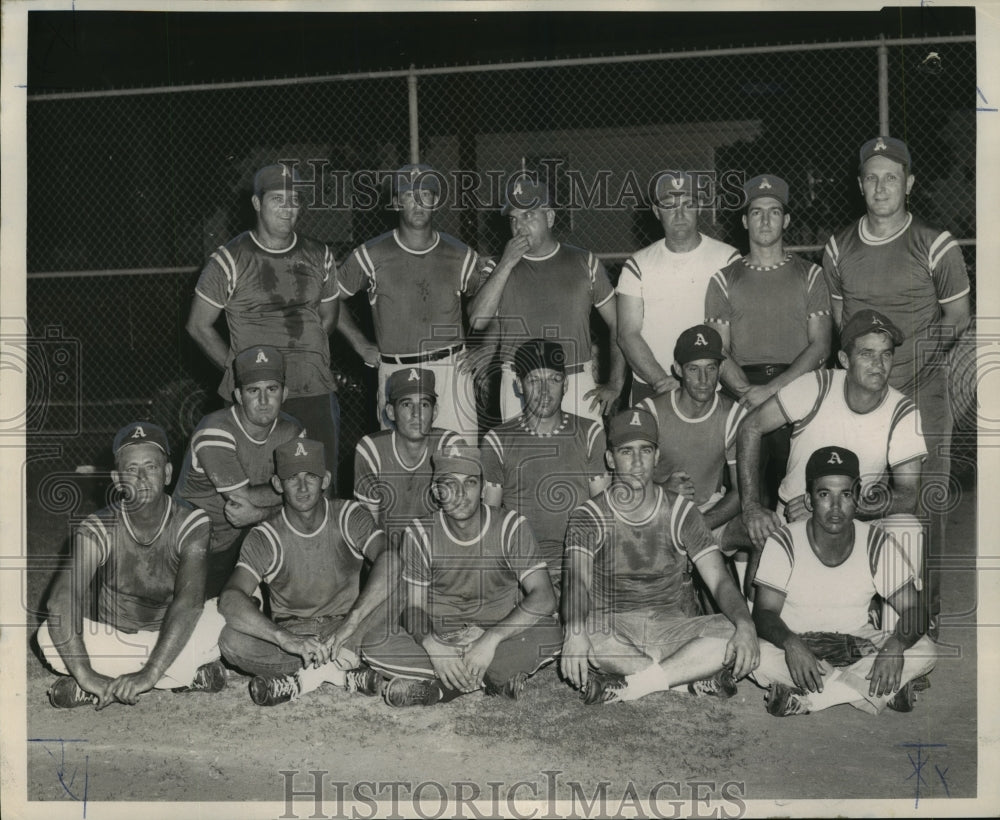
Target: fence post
883, 87
414, 132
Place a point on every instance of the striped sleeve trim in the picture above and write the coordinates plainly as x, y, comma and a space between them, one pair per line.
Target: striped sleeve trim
719, 279
368, 267
508, 528
492, 440
631, 266
375, 534
346, 526
782, 537
94, 528
329, 263
965, 292
736, 415
593, 434
531, 569
277, 558
592, 274
197, 518
944, 243
212, 302
678, 515
421, 538
213, 437
650, 405
449, 438
249, 569
468, 266
876, 543
905, 412
369, 454
832, 251
734, 256
593, 521
224, 259
824, 379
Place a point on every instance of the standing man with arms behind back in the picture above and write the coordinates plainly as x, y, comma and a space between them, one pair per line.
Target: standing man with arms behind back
280, 289
893, 262
661, 291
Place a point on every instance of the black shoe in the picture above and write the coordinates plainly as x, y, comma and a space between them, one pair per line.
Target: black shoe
65, 693
275, 690
364, 681
603, 687
412, 692
210, 677
785, 701
721, 685
512, 689
904, 699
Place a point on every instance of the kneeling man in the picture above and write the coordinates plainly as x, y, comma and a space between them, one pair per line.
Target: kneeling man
814, 583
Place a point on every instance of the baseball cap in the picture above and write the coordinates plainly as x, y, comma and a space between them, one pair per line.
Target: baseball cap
257, 364
832, 461
535, 354
141, 432
894, 149
275, 177
297, 456
698, 342
677, 183
421, 177
458, 458
525, 194
766, 185
869, 321
634, 423
410, 381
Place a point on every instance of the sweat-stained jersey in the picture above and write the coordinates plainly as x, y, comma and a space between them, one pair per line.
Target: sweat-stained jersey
816, 406
136, 581
223, 457
544, 478
831, 599
475, 581
311, 575
701, 447
416, 296
767, 308
551, 297
906, 277
273, 298
392, 491
641, 564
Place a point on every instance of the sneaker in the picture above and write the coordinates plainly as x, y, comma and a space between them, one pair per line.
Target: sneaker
921, 684
364, 680
211, 677
412, 692
65, 693
603, 687
785, 701
272, 691
512, 689
904, 699
721, 685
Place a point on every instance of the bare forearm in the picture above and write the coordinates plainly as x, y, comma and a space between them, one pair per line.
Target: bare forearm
382, 582
536, 605
484, 304
641, 358
181, 618
733, 377
748, 461
811, 358
347, 328
211, 344
771, 627
243, 615
731, 602
726, 509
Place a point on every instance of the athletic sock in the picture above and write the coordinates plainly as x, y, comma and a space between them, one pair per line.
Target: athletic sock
650, 679
310, 679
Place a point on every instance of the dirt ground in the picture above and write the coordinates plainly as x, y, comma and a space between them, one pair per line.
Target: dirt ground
664, 751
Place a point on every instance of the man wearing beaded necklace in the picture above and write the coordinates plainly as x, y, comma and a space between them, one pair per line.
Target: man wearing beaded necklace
148, 553
772, 310
545, 462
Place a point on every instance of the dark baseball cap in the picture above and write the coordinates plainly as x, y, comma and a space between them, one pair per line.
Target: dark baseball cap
698, 342
416, 177
277, 177
894, 149
525, 194
632, 424
257, 364
300, 455
674, 183
869, 321
536, 354
141, 432
458, 458
832, 461
766, 185
410, 381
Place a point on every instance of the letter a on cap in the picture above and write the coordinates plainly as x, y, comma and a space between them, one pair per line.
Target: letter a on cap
413, 377
139, 433
300, 450
635, 421
764, 184
700, 341
677, 183
879, 145
835, 458
261, 358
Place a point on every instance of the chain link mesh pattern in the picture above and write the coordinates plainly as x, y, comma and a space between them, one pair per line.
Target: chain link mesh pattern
153, 182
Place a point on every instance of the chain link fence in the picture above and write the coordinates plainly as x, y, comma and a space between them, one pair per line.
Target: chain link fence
129, 191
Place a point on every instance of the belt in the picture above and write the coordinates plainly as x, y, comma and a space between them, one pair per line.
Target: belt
765, 369
417, 358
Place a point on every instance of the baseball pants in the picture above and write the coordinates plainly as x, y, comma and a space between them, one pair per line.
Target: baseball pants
259, 657
848, 684
456, 395
113, 652
578, 383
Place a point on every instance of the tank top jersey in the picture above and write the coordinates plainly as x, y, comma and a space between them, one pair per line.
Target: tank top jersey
767, 308
475, 581
906, 276
641, 564
136, 580
415, 296
816, 406
273, 298
701, 447
394, 492
551, 297
545, 478
672, 288
831, 599
317, 574
223, 457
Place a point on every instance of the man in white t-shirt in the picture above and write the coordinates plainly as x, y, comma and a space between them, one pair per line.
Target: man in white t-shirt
661, 291
815, 580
